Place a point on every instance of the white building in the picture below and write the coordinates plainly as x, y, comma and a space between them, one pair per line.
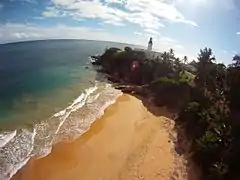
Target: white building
150, 54
150, 45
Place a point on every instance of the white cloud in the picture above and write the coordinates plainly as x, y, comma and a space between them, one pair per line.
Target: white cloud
161, 9
91, 10
30, 1
238, 33
49, 14
167, 40
161, 43
138, 33
225, 51
115, 1
22, 32
151, 31
193, 2
25, 1
146, 13
63, 2
114, 23
20, 35
145, 20
178, 46
39, 17
212, 4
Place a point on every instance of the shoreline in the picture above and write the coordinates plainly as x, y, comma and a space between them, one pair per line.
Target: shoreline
127, 142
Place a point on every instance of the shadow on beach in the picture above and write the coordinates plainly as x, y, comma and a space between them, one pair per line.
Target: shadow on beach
181, 144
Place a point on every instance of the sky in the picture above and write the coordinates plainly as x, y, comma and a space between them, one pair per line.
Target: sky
184, 25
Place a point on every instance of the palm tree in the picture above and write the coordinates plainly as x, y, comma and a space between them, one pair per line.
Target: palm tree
178, 65
185, 59
165, 56
205, 61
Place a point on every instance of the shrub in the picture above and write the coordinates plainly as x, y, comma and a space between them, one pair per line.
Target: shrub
170, 92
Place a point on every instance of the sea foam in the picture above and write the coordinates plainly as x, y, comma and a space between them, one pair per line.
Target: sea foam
6, 137
18, 147
16, 152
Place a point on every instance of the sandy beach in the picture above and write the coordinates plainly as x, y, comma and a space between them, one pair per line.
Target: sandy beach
127, 142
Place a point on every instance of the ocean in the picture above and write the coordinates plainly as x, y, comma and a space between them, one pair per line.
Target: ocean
49, 92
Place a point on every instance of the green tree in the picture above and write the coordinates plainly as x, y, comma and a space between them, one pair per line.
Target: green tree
178, 66
234, 82
165, 56
236, 61
204, 65
216, 81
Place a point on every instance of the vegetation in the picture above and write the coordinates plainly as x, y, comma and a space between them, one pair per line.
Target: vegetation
206, 94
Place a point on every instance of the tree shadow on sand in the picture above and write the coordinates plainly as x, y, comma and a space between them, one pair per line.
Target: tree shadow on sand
181, 144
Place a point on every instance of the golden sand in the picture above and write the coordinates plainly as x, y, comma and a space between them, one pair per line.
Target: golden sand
128, 142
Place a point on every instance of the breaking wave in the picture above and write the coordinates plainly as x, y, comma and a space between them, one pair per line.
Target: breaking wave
18, 146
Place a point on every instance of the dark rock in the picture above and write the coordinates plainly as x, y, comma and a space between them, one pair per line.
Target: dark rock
95, 60
113, 79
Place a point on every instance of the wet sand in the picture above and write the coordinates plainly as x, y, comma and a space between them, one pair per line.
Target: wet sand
128, 142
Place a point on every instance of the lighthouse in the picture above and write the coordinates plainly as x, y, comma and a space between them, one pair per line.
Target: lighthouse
150, 44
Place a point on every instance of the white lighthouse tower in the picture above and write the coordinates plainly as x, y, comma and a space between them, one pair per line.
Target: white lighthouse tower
150, 45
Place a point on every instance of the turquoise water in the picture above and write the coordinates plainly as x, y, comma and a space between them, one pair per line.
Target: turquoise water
49, 91
31, 72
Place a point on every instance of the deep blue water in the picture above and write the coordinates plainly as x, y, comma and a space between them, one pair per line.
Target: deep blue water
30, 71
46, 94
